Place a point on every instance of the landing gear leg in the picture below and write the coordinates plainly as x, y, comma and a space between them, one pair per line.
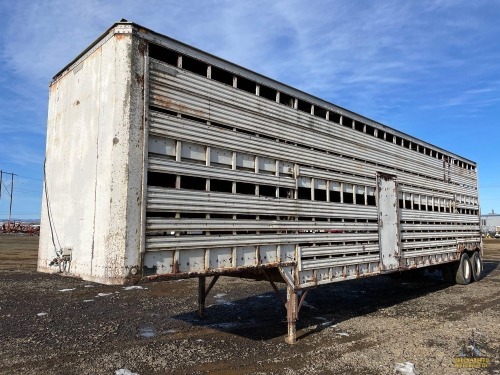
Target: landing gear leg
292, 310
203, 293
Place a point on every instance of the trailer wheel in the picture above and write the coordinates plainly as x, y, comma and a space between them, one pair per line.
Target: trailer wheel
476, 266
464, 271
449, 272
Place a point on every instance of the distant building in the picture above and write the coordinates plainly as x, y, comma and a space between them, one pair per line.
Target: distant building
489, 222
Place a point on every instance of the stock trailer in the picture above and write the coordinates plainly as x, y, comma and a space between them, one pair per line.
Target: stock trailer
167, 162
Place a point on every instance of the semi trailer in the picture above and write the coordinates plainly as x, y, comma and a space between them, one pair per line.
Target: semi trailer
165, 162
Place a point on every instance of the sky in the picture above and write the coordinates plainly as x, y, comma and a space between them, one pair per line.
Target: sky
430, 69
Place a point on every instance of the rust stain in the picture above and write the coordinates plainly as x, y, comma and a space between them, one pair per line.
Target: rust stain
121, 36
142, 47
211, 272
139, 79
167, 103
175, 267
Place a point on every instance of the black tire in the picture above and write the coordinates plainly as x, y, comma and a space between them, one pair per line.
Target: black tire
464, 271
476, 266
449, 272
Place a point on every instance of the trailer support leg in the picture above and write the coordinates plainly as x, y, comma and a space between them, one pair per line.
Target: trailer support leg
203, 293
292, 309
201, 296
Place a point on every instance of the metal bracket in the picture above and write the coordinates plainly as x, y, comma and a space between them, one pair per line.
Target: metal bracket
276, 290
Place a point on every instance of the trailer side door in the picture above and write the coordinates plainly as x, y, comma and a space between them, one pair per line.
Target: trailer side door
388, 222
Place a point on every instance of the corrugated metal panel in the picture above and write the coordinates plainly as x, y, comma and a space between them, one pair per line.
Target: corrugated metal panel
322, 251
221, 103
165, 225
234, 69
194, 242
161, 199
443, 217
443, 227
459, 235
186, 130
433, 251
335, 262
167, 166
216, 132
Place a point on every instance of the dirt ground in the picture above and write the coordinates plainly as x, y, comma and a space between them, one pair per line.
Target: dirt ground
51, 324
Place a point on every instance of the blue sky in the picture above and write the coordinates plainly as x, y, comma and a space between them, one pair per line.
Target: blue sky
428, 68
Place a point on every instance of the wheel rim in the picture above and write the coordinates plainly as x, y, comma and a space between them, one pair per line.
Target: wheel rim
477, 266
466, 269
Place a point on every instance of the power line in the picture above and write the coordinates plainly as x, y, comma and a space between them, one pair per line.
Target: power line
29, 191
30, 178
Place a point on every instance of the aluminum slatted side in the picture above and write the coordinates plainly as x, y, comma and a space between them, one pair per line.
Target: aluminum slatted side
221, 103
238, 181
190, 131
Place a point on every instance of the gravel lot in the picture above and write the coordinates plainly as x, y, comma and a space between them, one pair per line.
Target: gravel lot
51, 324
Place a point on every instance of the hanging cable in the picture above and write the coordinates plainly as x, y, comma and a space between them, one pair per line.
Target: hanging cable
57, 248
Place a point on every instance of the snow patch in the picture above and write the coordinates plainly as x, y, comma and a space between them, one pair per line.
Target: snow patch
88, 300
125, 371
132, 287
42, 314
67, 290
406, 368
222, 301
103, 294
147, 332
328, 324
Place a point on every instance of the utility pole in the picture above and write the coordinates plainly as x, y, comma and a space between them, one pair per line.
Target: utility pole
11, 190
11, 193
